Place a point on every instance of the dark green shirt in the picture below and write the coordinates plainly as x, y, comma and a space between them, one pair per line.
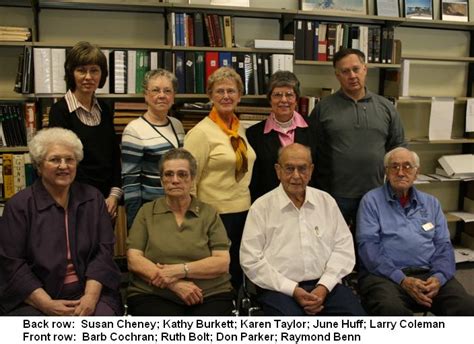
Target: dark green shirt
156, 233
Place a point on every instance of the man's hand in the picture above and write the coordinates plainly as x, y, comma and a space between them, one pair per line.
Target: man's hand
417, 289
187, 291
432, 286
311, 303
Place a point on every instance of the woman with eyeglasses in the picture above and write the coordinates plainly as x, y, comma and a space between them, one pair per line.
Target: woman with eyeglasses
178, 250
92, 121
146, 139
56, 239
283, 126
224, 159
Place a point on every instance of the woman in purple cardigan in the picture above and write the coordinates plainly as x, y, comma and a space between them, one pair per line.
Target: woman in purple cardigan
56, 239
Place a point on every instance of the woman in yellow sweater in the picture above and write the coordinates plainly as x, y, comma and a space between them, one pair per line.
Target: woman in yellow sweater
224, 159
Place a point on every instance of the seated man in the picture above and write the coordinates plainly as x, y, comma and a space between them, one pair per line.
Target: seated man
407, 261
296, 245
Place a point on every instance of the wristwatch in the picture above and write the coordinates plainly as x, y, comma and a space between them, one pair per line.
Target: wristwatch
186, 270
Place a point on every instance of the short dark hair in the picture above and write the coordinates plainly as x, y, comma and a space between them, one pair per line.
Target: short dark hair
345, 52
283, 78
81, 54
177, 154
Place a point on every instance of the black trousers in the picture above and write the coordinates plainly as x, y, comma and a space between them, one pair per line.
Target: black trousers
153, 305
234, 225
381, 296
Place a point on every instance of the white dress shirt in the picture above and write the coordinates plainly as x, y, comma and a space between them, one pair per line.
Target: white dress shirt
283, 245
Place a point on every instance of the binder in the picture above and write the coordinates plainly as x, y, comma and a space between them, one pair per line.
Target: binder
189, 68
249, 85
323, 43
225, 59
58, 57
118, 71
142, 67
27, 81
299, 39
42, 70
168, 61
212, 63
309, 40
199, 72
179, 71
131, 71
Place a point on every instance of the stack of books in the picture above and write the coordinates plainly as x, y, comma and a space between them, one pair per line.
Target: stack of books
14, 34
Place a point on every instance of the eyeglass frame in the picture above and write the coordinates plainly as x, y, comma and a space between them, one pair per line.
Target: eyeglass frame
405, 167
290, 95
168, 92
221, 92
58, 161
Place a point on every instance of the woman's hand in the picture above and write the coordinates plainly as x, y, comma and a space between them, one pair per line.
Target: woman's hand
60, 307
112, 202
86, 306
187, 291
167, 274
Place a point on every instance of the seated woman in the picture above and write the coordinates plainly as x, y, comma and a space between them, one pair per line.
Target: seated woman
178, 250
56, 240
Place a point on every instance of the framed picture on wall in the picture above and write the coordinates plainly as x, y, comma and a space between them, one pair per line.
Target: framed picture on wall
455, 10
419, 9
387, 8
353, 6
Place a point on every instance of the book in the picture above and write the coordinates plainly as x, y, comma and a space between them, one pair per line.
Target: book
30, 120
8, 188
27, 75
19, 181
228, 41
199, 31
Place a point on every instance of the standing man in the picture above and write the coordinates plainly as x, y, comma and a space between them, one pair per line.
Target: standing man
354, 129
296, 245
406, 256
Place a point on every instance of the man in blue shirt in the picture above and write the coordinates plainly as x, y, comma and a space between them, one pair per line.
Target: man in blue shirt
406, 256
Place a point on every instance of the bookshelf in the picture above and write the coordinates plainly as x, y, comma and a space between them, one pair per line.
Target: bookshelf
119, 24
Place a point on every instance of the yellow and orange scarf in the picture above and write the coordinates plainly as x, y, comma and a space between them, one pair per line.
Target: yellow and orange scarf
237, 142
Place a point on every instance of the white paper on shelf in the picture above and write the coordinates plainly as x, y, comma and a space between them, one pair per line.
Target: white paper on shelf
463, 215
462, 254
441, 118
470, 115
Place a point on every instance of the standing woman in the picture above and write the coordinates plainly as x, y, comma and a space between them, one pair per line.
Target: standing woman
224, 159
146, 139
283, 126
91, 120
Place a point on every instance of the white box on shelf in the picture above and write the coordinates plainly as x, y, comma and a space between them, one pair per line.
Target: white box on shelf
273, 44
458, 164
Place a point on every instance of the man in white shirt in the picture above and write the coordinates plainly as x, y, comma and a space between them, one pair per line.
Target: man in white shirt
296, 245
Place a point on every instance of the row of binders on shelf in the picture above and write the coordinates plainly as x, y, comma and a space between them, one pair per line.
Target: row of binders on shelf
41, 71
15, 34
16, 173
17, 123
200, 30
318, 41
192, 69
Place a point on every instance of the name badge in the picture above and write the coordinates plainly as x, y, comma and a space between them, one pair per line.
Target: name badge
428, 226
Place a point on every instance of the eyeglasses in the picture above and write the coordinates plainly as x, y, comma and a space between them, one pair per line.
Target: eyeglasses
230, 92
156, 91
288, 95
290, 169
181, 175
82, 71
57, 161
348, 71
407, 168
